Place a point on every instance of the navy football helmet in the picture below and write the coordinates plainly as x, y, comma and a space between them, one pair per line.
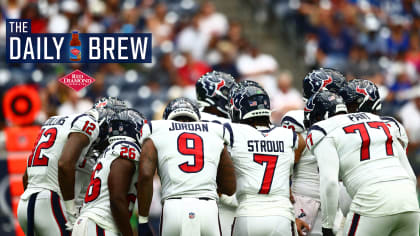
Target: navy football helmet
322, 106
322, 79
364, 93
241, 84
249, 101
181, 107
105, 108
213, 88
126, 125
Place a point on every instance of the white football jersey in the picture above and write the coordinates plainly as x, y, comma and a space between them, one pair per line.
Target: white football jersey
96, 204
305, 178
188, 156
366, 147
263, 160
42, 166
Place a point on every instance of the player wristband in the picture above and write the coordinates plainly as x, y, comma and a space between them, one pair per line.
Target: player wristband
69, 204
143, 219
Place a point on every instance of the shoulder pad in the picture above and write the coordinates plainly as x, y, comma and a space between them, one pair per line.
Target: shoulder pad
85, 124
398, 127
315, 135
228, 134
146, 131
293, 120
126, 150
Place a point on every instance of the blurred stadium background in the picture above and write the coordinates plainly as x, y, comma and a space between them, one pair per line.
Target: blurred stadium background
274, 42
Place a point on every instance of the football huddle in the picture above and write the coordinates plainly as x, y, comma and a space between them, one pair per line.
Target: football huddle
334, 168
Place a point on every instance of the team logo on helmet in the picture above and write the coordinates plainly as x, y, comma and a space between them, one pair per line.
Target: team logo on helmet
101, 104
318, 86
367, 92
310, 105
212, 85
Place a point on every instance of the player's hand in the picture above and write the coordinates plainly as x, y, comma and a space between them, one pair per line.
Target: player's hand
327, 232
145, 229
302, 227
71, 218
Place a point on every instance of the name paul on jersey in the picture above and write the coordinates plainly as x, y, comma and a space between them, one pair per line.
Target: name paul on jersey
358, 116
189, 126
265, 146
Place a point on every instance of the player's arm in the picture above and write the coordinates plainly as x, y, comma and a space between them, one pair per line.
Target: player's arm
300, 147
67, 163
226, 180
119, 181
328, 164
25, 179
147, 169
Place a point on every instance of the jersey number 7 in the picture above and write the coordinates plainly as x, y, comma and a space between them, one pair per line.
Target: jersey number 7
364, 135
271, 161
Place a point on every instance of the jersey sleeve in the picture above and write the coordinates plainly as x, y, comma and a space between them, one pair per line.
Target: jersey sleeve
146, 131
228, 137
398, 129
315, 135
328, 163
126, 150
293, 120
85, 124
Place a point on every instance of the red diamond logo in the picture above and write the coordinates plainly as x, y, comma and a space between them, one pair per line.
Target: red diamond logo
77, 80
75, 51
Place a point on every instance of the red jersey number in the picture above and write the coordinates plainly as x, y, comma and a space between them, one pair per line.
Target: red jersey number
190, 144
36, 159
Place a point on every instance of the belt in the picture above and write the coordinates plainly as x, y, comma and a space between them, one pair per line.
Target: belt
200, 198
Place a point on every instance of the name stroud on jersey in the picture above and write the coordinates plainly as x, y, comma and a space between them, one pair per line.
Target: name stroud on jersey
191, 127
265, 146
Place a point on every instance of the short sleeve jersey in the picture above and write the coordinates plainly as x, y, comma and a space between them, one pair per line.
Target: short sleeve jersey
263, 160
96, 204
188, 156
305, 178
42, 165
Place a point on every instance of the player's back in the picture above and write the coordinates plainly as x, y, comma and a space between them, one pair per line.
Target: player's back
96, 205
188, 156
369, 165
42, 166
263, 160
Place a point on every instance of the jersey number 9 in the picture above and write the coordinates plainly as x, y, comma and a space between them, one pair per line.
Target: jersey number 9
190, 144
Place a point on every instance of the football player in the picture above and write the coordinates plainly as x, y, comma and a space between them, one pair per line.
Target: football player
212, 90
363, 96
322, 79
305, 180
263, 156
76, 176
361, 149
111, 194
40, 209
193, 165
